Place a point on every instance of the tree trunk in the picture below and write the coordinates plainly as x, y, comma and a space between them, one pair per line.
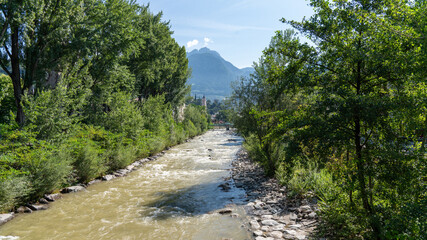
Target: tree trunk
361, 171
16, 75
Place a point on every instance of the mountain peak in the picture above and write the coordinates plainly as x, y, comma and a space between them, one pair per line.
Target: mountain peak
211, 74
202, 51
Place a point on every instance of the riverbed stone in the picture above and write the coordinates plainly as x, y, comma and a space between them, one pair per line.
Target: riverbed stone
312, 215
43, 201
108, 177
73, 189
37, 207
258, 233
4, 218
304, 209
254, 224
291, 232
265, 228
23, 209
121, 172
94, 181
269, 222
130, 167
276, 234
265, 217
264, 238
52, 197
279, 227
295, 226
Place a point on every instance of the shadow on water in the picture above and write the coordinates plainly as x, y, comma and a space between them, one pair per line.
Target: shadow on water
230, 144
192, 201
233, 142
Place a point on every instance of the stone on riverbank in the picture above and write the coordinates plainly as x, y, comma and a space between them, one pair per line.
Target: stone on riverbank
108, 177
37, 207
269, 222
23, 209
52, 197
4, 218
73, 189
254, 224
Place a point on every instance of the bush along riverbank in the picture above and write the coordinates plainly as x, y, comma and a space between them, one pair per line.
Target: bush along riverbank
35, 160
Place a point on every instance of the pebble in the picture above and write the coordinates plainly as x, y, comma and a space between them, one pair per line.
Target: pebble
279, 227
265, 228
269, 222
276, 234
291, 232
295, 226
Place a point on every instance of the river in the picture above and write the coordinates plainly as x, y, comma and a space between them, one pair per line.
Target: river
170, 198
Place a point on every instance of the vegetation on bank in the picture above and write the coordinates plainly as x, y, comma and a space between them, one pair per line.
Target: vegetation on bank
344, 117
89, 87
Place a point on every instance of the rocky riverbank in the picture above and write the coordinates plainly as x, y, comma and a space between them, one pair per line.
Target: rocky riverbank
272, 214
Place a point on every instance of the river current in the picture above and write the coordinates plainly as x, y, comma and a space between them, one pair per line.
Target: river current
174, 197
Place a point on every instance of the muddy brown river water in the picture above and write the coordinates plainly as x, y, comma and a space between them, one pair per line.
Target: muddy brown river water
174, 197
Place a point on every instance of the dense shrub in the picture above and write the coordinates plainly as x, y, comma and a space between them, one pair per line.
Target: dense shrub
47, 170
87, 157
121, 156
198, 116
54, 113
123, 116
13, 190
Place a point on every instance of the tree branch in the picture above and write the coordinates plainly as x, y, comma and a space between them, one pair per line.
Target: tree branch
7, 51
5, 69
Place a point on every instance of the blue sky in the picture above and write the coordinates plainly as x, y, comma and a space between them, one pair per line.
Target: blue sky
237, 29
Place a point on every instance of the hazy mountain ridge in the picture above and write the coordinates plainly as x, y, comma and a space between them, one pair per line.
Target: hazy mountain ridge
211, 74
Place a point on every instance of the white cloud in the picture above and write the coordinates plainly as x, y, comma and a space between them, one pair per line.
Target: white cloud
192, 43
207, 41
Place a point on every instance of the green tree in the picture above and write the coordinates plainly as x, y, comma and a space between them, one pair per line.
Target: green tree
353, 101
362, 74
160, 65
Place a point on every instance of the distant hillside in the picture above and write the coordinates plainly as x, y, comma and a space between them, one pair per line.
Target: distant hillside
212, 75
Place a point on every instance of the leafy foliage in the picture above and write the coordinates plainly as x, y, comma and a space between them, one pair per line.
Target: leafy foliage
93, 85
352, 103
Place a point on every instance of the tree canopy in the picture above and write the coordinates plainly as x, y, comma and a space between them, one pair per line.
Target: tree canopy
353, 101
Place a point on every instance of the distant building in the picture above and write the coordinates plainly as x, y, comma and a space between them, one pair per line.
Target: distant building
204, 102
